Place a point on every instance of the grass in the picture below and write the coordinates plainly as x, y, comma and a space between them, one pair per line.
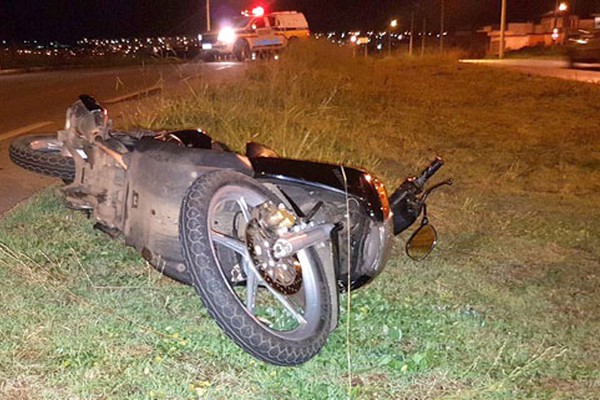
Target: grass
543, 52
506, 307
11, 60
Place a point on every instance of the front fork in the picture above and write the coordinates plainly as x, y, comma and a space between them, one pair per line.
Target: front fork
320, 238
293, 235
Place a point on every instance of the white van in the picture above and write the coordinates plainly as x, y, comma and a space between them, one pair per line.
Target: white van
291, 24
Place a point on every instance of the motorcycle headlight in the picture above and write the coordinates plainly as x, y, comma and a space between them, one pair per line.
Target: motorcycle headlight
226, 35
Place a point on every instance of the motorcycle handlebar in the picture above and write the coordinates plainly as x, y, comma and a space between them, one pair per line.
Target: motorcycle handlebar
428, 172
405, 201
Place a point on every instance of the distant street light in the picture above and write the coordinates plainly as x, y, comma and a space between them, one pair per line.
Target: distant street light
558, 8
393, 25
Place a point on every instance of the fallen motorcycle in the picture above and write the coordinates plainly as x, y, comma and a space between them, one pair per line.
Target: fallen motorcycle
268, 243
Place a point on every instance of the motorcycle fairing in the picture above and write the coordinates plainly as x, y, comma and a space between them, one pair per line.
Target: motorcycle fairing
308, 183
359, 183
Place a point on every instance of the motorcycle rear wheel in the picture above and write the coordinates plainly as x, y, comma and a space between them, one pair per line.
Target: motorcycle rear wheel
276, 328
42, 154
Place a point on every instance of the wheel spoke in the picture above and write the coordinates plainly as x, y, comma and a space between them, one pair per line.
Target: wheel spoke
287, 304
299, 299
283, 300
251, 287
230, 242
245, 209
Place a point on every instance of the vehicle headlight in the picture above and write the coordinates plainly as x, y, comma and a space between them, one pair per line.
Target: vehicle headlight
226, 35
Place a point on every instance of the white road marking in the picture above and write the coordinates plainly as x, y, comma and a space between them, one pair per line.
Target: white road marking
25, 129
228, 64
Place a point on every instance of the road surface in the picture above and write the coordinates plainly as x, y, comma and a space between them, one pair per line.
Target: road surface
36, 102
589, 73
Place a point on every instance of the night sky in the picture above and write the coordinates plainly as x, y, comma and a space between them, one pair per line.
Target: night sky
73, 19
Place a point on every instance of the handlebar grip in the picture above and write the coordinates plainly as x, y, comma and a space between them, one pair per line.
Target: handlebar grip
429, 171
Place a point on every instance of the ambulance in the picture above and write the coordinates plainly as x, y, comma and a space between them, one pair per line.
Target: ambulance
253, 35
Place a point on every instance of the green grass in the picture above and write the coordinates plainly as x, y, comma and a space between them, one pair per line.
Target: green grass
506, 307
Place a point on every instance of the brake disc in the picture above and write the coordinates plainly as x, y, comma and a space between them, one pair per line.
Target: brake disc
282, 274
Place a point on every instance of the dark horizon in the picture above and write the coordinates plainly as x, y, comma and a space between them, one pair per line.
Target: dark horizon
69, 20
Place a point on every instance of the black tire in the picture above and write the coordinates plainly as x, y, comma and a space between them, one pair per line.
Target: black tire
241, 50
204, 258
170, 270
33, 153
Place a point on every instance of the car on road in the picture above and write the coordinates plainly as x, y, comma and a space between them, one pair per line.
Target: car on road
584, 47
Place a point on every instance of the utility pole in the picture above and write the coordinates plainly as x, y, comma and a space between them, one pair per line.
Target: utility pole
502, 25
393, 25
442, 27
423, 36
412, 33
208, 15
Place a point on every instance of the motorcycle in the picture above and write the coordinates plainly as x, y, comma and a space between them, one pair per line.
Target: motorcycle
267, 242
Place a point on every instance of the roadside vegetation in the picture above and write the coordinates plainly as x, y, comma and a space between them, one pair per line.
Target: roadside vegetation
10, 59
543, 52
506, 307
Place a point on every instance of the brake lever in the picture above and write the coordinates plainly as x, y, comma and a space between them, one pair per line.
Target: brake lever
447, 182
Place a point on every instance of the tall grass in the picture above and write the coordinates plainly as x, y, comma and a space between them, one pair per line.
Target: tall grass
506, 307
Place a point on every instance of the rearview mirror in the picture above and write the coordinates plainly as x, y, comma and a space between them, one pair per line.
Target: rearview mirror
421, 242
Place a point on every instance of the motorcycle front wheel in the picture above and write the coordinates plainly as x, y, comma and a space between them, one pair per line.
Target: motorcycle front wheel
42, 154
274, 326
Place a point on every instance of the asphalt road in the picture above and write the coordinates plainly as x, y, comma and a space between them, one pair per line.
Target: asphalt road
589, 73
36, 103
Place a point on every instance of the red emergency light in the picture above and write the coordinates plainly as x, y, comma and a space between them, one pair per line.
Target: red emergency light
258, 11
